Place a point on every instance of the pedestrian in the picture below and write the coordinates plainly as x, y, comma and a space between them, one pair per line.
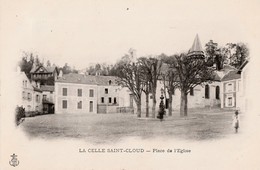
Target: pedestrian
236, 120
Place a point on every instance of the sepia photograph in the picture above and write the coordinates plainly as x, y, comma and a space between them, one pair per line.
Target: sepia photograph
125, 85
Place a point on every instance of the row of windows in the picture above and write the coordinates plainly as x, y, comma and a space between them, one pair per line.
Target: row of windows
24, 83
109, 100
79, 105
207, 92
28, 96
42, 75
65, 92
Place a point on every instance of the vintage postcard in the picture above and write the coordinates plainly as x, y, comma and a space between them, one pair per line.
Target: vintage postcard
126, 85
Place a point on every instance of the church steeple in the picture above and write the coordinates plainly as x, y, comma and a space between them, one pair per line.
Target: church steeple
196, 49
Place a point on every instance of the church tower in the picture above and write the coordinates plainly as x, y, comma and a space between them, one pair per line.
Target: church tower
196, 49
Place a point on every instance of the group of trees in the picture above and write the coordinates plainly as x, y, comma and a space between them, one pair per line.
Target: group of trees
182, 71
29, 59
176, 71
179, 71
233, 54
103, 69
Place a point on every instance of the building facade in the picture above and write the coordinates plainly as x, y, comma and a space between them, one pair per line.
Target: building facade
48, 98
29, 96
231, 84
78, 93
44, 75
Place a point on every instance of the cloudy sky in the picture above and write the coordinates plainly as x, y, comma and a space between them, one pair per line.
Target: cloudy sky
82, 32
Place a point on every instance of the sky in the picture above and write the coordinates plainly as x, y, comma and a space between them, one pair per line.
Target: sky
83, 32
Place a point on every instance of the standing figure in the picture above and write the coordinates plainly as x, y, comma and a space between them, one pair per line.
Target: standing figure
236, 120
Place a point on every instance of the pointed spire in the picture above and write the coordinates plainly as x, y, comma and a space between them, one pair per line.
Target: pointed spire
196, 48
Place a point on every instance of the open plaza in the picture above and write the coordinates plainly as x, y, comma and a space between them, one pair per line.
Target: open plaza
109, 128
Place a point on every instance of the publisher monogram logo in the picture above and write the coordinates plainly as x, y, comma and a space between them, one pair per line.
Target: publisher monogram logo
14, 161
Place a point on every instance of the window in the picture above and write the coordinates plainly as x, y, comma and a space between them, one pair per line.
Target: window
109, 82
29, 96
230, 101
80, 105
102, 100
207, 91
106, 91
44, 97
80, 92
37, 98
91, 106
114, 100
191, 91
24, 95
229, 87
64, 104
110, 100
217, 92
64, 91
25, 84
91, 93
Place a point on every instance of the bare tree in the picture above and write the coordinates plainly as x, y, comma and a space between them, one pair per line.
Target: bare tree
129, 75
170, 78
192, 71
152, 67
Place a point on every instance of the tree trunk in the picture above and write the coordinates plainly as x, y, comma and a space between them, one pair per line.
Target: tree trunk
147, 104
184, 104
139, 108
154, 103
170, 105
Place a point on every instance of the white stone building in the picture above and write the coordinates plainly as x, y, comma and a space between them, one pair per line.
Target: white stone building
29, 96
78, 93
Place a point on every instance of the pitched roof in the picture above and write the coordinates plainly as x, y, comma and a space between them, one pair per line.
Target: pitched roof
217, 77
242, 66
231, 75
86, 79
104, 80
48, 69
47, 88
196, 48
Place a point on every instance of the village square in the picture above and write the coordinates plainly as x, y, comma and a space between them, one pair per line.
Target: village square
191, 96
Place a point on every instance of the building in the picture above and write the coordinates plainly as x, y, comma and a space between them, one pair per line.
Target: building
108, 94
45, 78
29, 95
48, 98
230, 83
206, 95
79, 93
44, 75
243, 94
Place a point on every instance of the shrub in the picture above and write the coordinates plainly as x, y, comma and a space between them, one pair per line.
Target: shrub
19, 114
